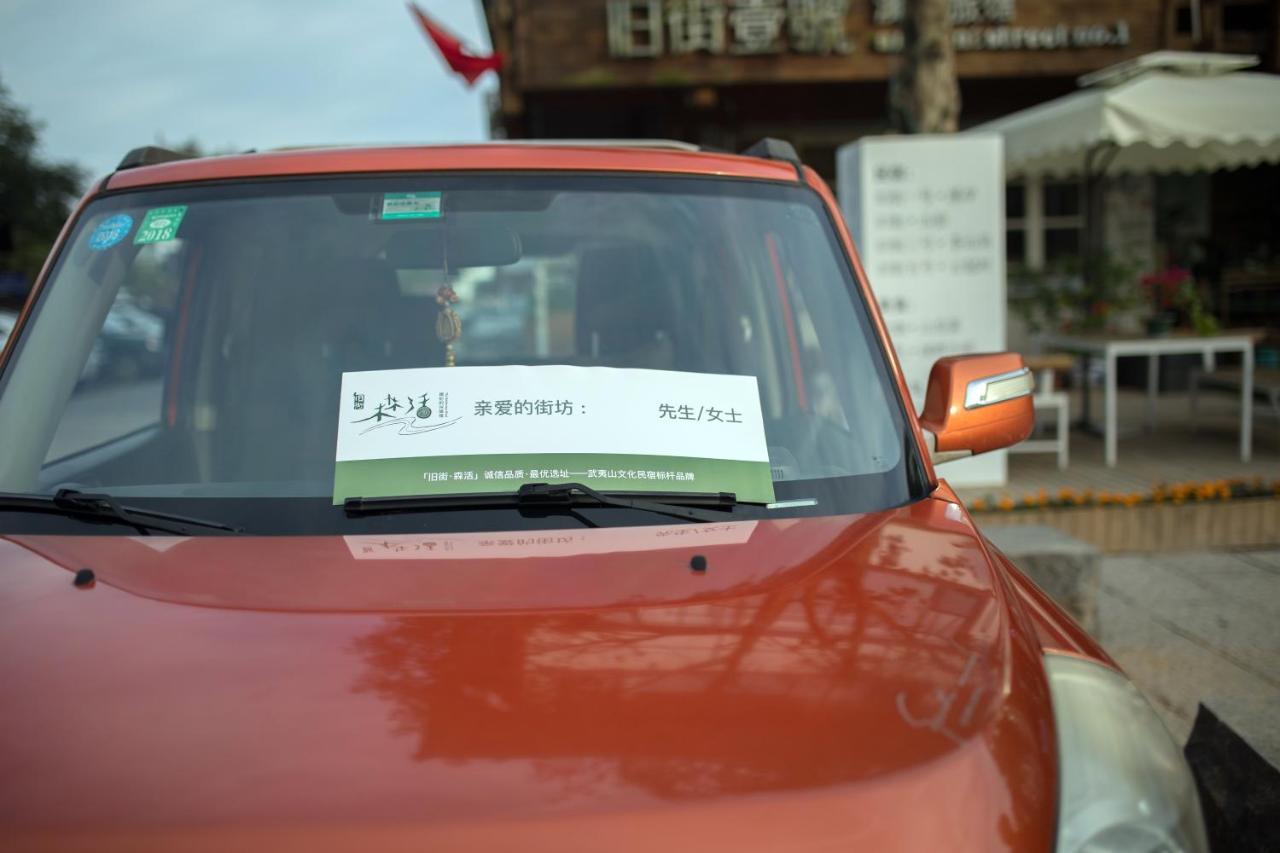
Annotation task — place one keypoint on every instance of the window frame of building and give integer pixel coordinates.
(1035, 223)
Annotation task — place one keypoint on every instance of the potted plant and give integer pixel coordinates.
(1175, 301)
(1061, 297)
(1162, 296)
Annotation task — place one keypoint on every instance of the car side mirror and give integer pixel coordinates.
(977, 403)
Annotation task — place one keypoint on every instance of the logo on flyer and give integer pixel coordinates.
(412, 414)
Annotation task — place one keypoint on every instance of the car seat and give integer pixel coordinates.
(306, 328)
(627, 313)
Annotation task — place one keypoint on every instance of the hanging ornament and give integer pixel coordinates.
(448, 323)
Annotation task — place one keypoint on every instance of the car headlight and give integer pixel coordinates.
(1124, 785)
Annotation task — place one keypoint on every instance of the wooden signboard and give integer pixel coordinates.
(572, 44)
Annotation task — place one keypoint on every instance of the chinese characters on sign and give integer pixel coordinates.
(648, 28)
(446, 476)
(986, 25)
(537, 475)
(526, 407)
(925, 228)
(640, 29)
(694, 26)
(927, 215)
(962, 11)
(756, 24)
(608, 428)
(708, 414)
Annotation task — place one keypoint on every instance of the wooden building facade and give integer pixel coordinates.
(727, 72)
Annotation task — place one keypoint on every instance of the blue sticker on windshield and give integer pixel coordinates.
(110, 231)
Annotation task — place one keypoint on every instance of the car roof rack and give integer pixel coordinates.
(669, 144)
(774, 149)
(768, 148)
(149, 155)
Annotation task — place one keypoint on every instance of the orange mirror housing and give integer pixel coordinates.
(977, 403)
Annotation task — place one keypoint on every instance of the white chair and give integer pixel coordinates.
(1047, 399)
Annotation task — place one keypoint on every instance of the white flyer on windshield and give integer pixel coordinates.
(467, 430)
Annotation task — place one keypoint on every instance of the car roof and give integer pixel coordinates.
(569, 156)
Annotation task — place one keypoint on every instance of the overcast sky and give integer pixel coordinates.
(105, 77)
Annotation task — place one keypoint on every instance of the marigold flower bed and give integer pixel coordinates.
(1175, 516)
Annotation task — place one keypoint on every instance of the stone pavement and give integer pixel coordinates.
(1199, 627)
(1174, 452)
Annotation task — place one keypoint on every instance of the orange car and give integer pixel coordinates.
(522, 497)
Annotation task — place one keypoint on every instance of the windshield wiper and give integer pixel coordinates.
(103, 507)
(558, 496)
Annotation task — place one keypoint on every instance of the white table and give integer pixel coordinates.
(1110, 348)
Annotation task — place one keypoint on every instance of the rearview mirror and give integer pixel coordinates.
(977, 403)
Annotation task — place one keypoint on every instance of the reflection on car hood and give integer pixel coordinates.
(855, 682)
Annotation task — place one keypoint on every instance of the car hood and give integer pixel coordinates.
(852, 682)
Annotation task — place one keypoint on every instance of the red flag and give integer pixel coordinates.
(458, 58)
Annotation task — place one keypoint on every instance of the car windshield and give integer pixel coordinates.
(194, 362)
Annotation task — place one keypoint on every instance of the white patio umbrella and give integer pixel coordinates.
(1167, 111)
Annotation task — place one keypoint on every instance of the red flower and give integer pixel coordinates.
(1162, 287)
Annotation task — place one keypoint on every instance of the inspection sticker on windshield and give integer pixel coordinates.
(411, 205)
(110, 231)
(160, 224)
(460, 430)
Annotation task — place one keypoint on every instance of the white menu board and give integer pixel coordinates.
(927, 214)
